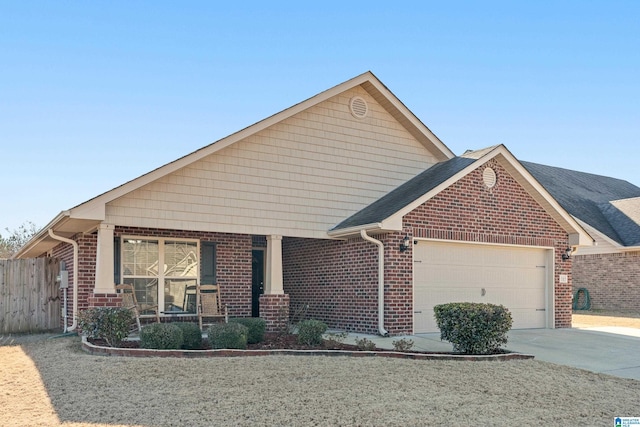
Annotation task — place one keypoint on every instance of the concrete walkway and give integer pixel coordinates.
(612, 350)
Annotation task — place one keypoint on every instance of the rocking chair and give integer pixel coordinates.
(129, 301)
(209, 305)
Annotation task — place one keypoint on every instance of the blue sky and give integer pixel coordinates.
(94, 94)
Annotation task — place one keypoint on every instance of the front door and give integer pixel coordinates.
(257, 285)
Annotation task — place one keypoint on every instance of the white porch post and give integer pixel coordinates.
(273, 279)
(104, 260)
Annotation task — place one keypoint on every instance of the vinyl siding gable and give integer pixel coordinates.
(298, 177)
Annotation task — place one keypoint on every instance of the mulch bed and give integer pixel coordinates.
(271, 342)
(275, 341)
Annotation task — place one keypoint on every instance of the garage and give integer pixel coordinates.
(513, 276)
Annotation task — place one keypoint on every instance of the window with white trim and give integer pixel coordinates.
(171, 287)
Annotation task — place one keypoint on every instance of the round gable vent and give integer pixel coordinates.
(489, 177)
(358, 107)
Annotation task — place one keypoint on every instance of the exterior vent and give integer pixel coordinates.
(489, 177)
(358, 107)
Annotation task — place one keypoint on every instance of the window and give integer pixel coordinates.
(171, 286)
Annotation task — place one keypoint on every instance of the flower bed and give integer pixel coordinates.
(286, 345)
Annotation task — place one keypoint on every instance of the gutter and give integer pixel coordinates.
(381, 330)
(350, 231)
(75, 279)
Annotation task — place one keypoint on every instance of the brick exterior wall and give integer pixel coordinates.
(338, 279)
(233, 267)
(613, 280)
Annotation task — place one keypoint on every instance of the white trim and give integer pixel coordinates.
(161, 252)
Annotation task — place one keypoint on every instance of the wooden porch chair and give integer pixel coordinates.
(130, 302)
(209, 305)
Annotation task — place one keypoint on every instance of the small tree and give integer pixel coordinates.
(15, 239)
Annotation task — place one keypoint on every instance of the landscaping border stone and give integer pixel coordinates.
(144, 352)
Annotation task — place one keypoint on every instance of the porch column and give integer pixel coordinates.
(104, 260)
(273, 280)
(274, 303)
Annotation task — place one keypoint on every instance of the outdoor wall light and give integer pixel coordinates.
(567, 254)
(406, 242)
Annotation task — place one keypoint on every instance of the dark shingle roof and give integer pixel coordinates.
(405, 194)
(588, 197)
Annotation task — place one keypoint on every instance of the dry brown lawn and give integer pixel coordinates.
(51, 382)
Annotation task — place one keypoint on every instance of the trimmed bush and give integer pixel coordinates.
(191, 335)
(228, 335)
(257, 328)
(161, 336)
(111, 324)
(365, 344)
(310, 332)
(473, 328)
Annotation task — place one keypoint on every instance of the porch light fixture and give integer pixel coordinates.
(406, 242)
(567, 254)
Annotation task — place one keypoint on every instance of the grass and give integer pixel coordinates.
(51, 382)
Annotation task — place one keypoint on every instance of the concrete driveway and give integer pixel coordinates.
(607, 350)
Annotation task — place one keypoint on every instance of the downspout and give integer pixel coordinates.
(381, 330)
(74, 324)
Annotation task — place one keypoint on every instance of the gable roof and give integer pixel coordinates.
(386, 213)
(610, 205)
(86, 216)
(407, 193)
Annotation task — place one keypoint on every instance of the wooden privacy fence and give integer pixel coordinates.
(29, 295)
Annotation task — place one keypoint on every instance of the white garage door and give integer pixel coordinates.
(456, 272)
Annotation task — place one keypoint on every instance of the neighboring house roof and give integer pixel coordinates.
(386, 213)
(609, 205)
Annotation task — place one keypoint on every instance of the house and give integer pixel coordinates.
(345, 205)
(609, 210)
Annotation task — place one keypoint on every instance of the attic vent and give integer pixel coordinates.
(358, 107)
(489, 177)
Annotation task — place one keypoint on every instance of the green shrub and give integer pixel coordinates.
(257, 328)
(161, 336)
(310, 332)
(228, 335)
(473, 328)
(111, 324)
(365, 344)
(191, 335)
